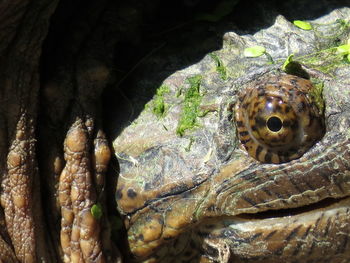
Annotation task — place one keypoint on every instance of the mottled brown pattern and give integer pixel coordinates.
(282, 101)
(16, 197)
(312, 235)
(100, 159)
(80, 231)
(23, 27)
(70, 177)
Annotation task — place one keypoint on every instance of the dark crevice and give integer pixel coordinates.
(178, 193)
(293, 211)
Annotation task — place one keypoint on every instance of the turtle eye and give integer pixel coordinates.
(277, 120)
(274, 124)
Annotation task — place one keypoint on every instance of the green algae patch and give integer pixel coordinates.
(159, 106)
(316, 94)
(345, 51)
(302, 24)
(332, 57)
(220, 67)
(191, 104)
(96, 211)
(253, 52)
(324, 60)
(287, 62)
(257, 51)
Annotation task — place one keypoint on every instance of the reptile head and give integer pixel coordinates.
(192, 193)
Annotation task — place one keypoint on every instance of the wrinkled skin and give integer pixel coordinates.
(69, 141)
(56, 59)
(53, 151)
(19, 175)
(200, 197)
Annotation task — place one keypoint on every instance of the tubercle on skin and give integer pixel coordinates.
(80, 230)
(16, 196)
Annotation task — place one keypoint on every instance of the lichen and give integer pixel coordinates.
(190, 110)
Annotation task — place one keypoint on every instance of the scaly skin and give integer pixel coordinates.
(73, 150)
(163, 220)
(200, 197)
(20, 195)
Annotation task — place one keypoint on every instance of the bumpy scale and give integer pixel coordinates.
(277, 118)
(80, 230)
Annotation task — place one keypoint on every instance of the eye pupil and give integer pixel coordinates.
(274, 124)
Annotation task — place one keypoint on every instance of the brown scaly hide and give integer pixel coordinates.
(23, 27)
(74, 153)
